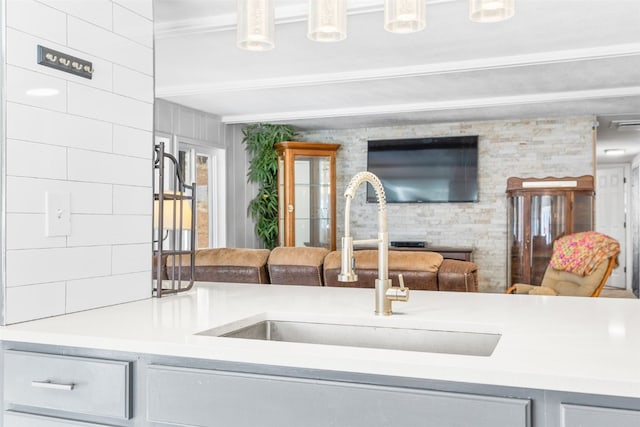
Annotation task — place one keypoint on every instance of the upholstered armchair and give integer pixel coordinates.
(580, 265)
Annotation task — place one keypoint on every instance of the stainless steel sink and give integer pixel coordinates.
(394, 338)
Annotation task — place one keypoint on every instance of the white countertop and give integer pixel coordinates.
(588, 345)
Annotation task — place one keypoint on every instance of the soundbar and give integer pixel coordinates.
(409, 244)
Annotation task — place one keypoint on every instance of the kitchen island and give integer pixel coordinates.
(559, 361)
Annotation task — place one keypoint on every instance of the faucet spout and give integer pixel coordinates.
(347, 274)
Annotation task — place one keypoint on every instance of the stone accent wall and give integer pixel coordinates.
(525, 148)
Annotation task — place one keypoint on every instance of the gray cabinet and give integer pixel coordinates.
(174, 391)
(198, 397)
(593, 416)
(17, 419)
(77, 387)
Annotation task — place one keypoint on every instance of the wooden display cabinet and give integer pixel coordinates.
(307, 194)
(539, 212)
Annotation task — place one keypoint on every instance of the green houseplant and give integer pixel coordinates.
(260, 140)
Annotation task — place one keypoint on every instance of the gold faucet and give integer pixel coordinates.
(385, 292)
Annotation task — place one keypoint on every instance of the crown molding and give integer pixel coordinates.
(481, 64)
(502, 101)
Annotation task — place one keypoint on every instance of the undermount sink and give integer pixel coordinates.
(369, 336)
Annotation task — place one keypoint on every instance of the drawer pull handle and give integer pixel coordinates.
(55, 386)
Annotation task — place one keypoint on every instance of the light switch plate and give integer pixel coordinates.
(58, 214)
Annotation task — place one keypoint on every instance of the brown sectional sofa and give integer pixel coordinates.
(319, 267)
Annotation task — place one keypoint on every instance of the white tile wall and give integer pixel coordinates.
(27, 231)
(110, 46)
(130, 258)
(132, 83)
(97, 12)
(23, 80)
(93, 166)
(37, 19)
(88, 230)
(56, 128)
(132, 26)
(27, 195)
(100, 104)
(100, 291)
(129, 200)
(36, 160)
(32, 266)
(22, 49)
(93, 140)
(132, 142)
(141, 7)
(35, 301)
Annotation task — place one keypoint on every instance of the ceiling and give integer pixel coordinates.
(553, 58)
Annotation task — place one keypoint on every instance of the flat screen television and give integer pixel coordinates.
(425, 170)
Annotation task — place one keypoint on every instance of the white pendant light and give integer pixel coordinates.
(490, 10)
(327, 20)
(404, 16)
(255, 24)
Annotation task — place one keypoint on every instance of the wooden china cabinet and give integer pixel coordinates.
(540, 211)
(307, 194)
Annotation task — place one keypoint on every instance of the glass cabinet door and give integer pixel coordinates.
(548, 222)
(306, 191)
(540, 210)
(311, 206)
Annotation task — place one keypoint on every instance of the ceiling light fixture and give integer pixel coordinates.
(404, 16)
(614, 151)
(490, 10)
(327, 20)
(255, 25)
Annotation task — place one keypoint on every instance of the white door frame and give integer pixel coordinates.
(627, 195)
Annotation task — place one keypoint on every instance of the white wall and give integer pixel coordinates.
(93, 140)
(525, 148)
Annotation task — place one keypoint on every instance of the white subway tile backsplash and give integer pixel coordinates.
(133, 84)
(131, 258)
(102, 291)
(27, 195)
(36, 160)
(87, 37)
(132, 142)
(53, 265)
(132, 200)
(20, 82)
(88, 230)
(38, 19)
(35, 302)
(92, 140)
(22, 49)
(132, 26)
(27, 231)
(97, 12)
(141, 7)
(39, 125)
(98, 104)
(91, 166)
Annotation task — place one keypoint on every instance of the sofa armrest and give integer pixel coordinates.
(458, 276)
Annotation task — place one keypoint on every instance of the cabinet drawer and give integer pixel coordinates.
(194, 397)
(16, 419)
(74, 384)
(593, 416)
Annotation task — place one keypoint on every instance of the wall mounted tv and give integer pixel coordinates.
(425, 170)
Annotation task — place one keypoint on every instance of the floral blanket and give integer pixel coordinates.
(581, 253)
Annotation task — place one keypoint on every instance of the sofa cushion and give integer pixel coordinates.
(237, 265)
(296, 265)
(419, 269)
